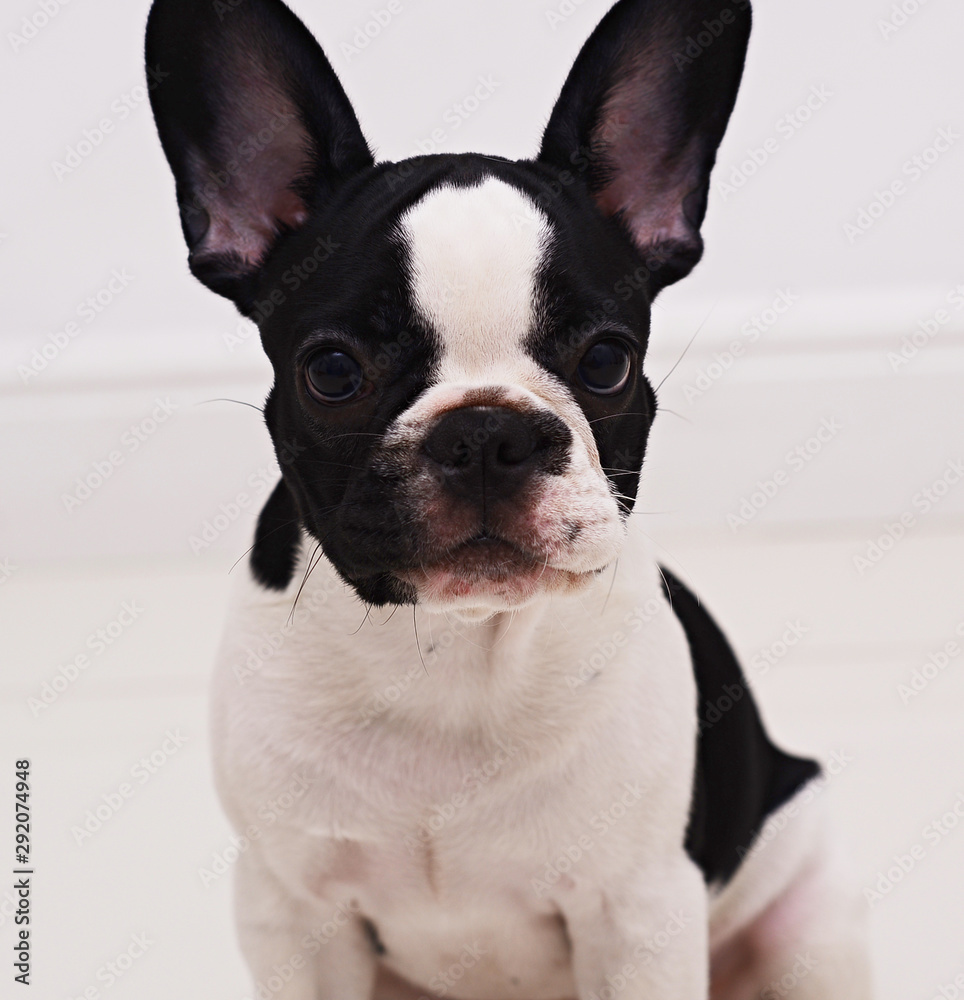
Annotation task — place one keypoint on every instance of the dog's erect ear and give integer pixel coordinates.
(255, 125)
(642, 115)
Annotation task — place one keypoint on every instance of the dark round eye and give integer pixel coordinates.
(334, 377)
(605, 367)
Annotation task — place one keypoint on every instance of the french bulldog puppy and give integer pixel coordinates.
(473, 741)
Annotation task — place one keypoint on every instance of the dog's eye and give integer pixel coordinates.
(334, 377)
(605, 367)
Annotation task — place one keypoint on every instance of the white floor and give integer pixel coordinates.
(834, 692)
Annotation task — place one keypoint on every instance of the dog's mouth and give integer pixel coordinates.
(490, 569)
(488, 557)
(483, 558)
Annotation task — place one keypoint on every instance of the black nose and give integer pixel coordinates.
(484, 451)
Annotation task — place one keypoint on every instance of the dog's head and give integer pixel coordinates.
(459, 404)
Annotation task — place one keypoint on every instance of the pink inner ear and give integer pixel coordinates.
(652, 169)
(248, 212)
(262, 149)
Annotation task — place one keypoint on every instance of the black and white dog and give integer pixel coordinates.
(545, 778)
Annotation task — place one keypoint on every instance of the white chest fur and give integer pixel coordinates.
(449, 781)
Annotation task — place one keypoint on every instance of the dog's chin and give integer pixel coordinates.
(482, 578)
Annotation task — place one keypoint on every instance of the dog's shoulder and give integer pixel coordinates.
(741, 777)
(277, 540)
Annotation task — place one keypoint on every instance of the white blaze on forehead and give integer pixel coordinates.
(475, 254)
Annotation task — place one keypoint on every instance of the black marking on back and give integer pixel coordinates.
(276, 540)
(741, 777)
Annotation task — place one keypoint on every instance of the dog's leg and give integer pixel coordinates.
(809, 943)
(644, 940)
(276, 937)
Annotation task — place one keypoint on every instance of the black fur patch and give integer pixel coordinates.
(277, 540)
(741, 777)
(371, 932)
